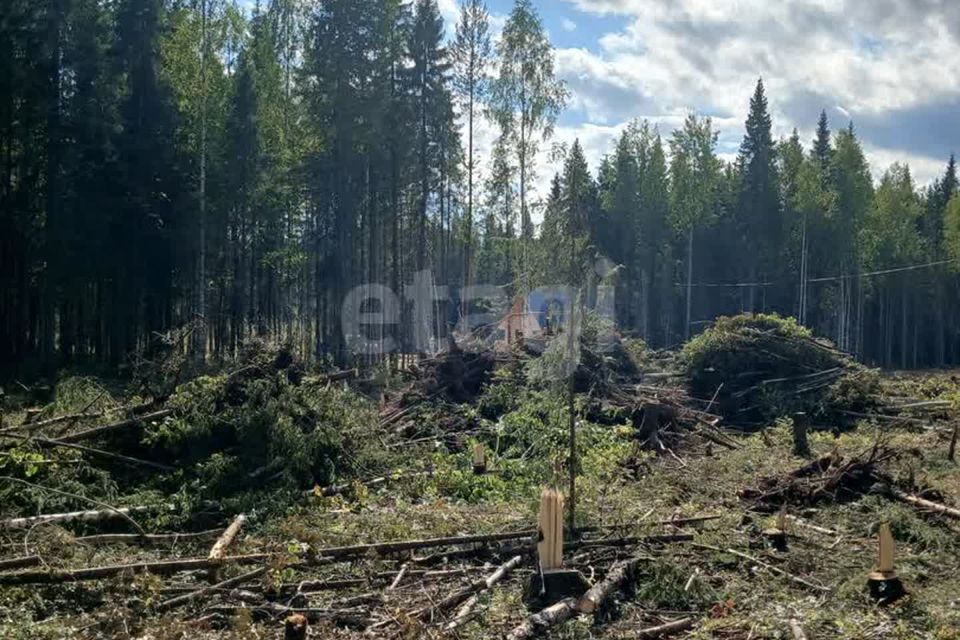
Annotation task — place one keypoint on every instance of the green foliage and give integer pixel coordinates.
(257, 427)
(662, 584)
(765, 366)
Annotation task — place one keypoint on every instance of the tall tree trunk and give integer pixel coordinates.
(686, 329)
(201, 336)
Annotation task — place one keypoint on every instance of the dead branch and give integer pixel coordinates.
(96, 573)
(47, 442)
(19, 563)
(922, 503)
(123, 513)
(667, 629)
(768, 566)
(148, 539)
(115, 426)
(381, 548)
(477, 587)
(540, 622)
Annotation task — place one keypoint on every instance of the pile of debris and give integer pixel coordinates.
(761, 367)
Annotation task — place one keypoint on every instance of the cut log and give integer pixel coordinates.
(162, 567)
(219, 549)
(540, 622)
(924, 504)
(236, 581)
(664, 630)
(83, 516)
(94, 432)
(618, 575)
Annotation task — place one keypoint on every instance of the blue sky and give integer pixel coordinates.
(892, 66)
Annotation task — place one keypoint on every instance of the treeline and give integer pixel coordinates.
(165, 161)
(803, 232)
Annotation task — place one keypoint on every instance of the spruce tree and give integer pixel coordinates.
(759, 206)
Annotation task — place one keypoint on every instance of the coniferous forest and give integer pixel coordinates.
(173, 161)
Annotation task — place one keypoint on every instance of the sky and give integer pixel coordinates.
(892, 67)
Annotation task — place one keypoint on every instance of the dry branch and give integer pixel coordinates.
(477, 587)
(667, 629)
(922, 503)
(148, 539)
(96, 573)
(540, 622)
(19, 563)
(47, 442)
(116, 426)
(797, 630)
(83, 516)
(767, 565)
(381, 548)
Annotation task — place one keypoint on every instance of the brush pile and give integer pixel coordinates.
(832, 478)
(761, 367)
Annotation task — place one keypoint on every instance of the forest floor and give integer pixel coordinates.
(691, 512)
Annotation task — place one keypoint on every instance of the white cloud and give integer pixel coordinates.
(860, 60)
(568, 25)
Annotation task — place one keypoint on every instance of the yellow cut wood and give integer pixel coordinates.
(887, 550)
(550, 546)
(782, 519)
(479, 456)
